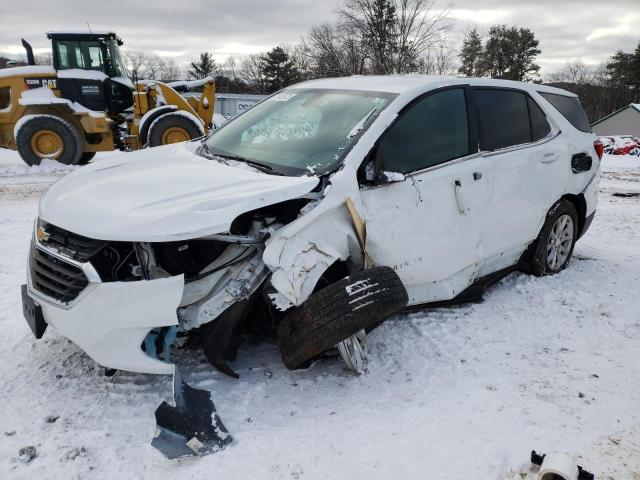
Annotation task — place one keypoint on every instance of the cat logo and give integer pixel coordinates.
(41, 82)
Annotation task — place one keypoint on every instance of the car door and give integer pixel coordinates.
(515, 139)
(427, 227)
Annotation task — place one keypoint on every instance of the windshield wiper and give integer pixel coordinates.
(361, 124)
(238, 158)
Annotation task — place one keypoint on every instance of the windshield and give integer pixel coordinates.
(116, 59)
(299, 131)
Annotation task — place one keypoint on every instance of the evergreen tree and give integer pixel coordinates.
(510, 53)
(471, 55)
(278, 69)
(203, 67)
(624, 69)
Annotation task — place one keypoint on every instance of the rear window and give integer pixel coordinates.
(540, 127)
(504, 118)
(570, 109)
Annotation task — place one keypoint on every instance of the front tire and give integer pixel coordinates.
(555, 243)
(337, 312)
(86, 158)
(174, 127)
(48, 137)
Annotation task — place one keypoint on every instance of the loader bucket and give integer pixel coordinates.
(192, 427)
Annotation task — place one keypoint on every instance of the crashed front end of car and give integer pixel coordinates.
(123, 302)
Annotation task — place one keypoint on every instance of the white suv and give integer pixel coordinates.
(318, 212)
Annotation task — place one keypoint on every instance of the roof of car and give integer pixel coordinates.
(409, 82)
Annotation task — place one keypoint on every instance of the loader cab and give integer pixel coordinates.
(91, 70)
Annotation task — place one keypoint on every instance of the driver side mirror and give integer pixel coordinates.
(375, 174)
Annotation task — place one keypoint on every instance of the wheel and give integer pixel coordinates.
(555, 243)
(46, 136)
(173, 128)
(149, 118)
(86, 158)
(337, 312)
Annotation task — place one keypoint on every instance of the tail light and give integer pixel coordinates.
(599, 146)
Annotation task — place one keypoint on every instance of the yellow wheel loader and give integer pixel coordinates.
(86, 103)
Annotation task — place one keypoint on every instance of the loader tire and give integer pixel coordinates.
(174, 128)
(338, 311)
(149, 118)
(47, 136)
(86, 158)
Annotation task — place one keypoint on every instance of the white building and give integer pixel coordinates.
(625, 121)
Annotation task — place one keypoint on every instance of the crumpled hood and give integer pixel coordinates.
(162, 194)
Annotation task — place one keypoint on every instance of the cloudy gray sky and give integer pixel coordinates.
(588, 29)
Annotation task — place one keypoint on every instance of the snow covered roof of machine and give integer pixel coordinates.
(106, 33)
(27, 70)
(406, 83)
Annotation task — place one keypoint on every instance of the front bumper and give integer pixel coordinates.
(110, 320)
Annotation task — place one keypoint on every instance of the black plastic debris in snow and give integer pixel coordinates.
(192, 427)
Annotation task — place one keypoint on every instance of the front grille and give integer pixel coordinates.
(54, 277)
(75, 246)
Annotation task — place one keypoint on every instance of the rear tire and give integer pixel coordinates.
(338, 311)
(86, 158)
(174, 127)
(46, 136)
(555, 243)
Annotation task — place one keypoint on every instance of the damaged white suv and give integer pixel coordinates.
(319, 212)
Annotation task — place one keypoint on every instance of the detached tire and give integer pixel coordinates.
(337, 312)
(47, 136)
(555, 243)
(174, 127)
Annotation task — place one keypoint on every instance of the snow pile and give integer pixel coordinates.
(621, 145)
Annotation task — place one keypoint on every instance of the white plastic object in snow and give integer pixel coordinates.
(558, 465)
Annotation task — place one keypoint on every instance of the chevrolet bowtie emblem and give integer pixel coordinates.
(42, 234)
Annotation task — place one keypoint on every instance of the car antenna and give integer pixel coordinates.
(89, 27)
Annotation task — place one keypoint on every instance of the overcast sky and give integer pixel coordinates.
(567, 29)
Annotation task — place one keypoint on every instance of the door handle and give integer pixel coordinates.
(477, 176)
(457, 186)
(549, 157)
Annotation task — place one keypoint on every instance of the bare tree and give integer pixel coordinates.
(439, 60)
(394, 33)
(251, 73)
(421, 29)
(334, 52)
(135, 62)
(574, 72)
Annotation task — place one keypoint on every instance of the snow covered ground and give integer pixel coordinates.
(550, 364)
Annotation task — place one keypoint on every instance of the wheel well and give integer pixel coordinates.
(337, 271)
(581, 207)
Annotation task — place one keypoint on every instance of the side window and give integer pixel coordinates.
(570, 108)
(432, 131)
(5, 98)
(63, 52)
(540, 127)
(95, 57)
(504, 118)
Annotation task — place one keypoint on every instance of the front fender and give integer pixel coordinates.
(301, 252)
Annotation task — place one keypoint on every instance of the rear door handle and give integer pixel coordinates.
(457, 185)
(549, 157)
